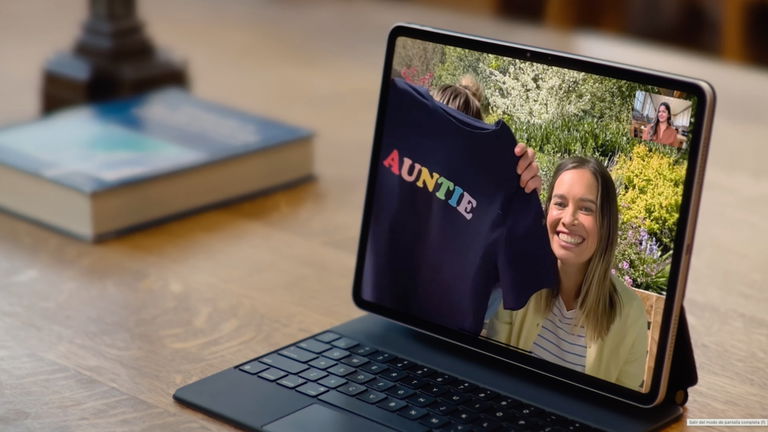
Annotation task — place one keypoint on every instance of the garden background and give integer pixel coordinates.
(560, 113)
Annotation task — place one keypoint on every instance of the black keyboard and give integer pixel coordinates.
(396, 391)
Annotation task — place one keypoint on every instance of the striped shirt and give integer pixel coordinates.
(559, 340)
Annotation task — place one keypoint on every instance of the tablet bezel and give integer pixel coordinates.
(705, 101)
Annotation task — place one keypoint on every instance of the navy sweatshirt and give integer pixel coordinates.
(449, 219)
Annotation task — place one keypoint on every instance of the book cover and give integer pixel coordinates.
(143, 151)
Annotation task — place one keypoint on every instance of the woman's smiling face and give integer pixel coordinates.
(662, 114)
(572, 217)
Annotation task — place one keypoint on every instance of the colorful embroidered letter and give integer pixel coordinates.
(427, 179)
(393, 162)
(412, 176)
(457, 191)
(467, 204)
(445, 185)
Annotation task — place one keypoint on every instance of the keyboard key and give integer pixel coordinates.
(523, 424)
(291, 381)
(372, 397)
(344, 343)
(420, 400)
(313, 374)
(422, 371)
(457, 398)
(298, 354)
(360, 377)
(314, 346)
(382, 357)
(502, 404)
(354, 360)
(284, 363)
(464, 386)
(412, 382)
(442, 379)
(501, 415)
(312, 389)
(322, 363)
(341, 370)
(453, 427)
(327, 337)
(433, 421)
(374, 368)
(463, 416)
(442, 407)
(402, 364)
(332, 381)
(412, 413)
(484, 424)
(485, 394)
(336, 354)
(434, 390)
(574, 426)
(394, 375)
(554, 429)
(253, 367)
(391, 404)
(530, 411)
(380, 385)
(478, 406)
(550, 418)
(363, 350)
(400, 392)
(272, 374)
(352, 389)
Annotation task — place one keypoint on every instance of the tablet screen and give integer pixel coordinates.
(533, 203)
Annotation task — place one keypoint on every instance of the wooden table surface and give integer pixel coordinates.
(97, 337)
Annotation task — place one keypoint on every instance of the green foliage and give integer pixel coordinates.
(422, 57)
(459, 62)
(650, 186)
(561, 138)
(528, 92)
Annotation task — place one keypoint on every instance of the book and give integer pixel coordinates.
(100, 170)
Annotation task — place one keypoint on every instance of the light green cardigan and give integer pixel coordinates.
(619, 357)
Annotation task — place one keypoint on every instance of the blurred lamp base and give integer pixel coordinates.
(113, 58)
(72, 79)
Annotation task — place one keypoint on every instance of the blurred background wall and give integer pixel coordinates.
(731, 29)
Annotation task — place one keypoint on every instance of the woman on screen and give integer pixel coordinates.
(661, 130)
(592, 322)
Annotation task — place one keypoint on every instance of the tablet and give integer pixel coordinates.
(534, 205)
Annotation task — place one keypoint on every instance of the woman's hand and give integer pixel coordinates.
(528, 168)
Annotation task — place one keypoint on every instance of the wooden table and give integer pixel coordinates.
(97, 337)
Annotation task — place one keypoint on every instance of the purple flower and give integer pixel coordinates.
(628, 281)
(624, 265)
(613, 271)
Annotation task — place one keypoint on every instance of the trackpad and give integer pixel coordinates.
(319, 418)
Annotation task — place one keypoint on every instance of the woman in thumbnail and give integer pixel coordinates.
(661, 130)
(592, 322)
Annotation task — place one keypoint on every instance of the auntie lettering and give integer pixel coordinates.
(443, 188)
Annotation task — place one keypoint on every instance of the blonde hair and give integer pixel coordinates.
(470, 84)
(599, 303)
(466, 96)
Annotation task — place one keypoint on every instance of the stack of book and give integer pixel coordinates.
(97, 171)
